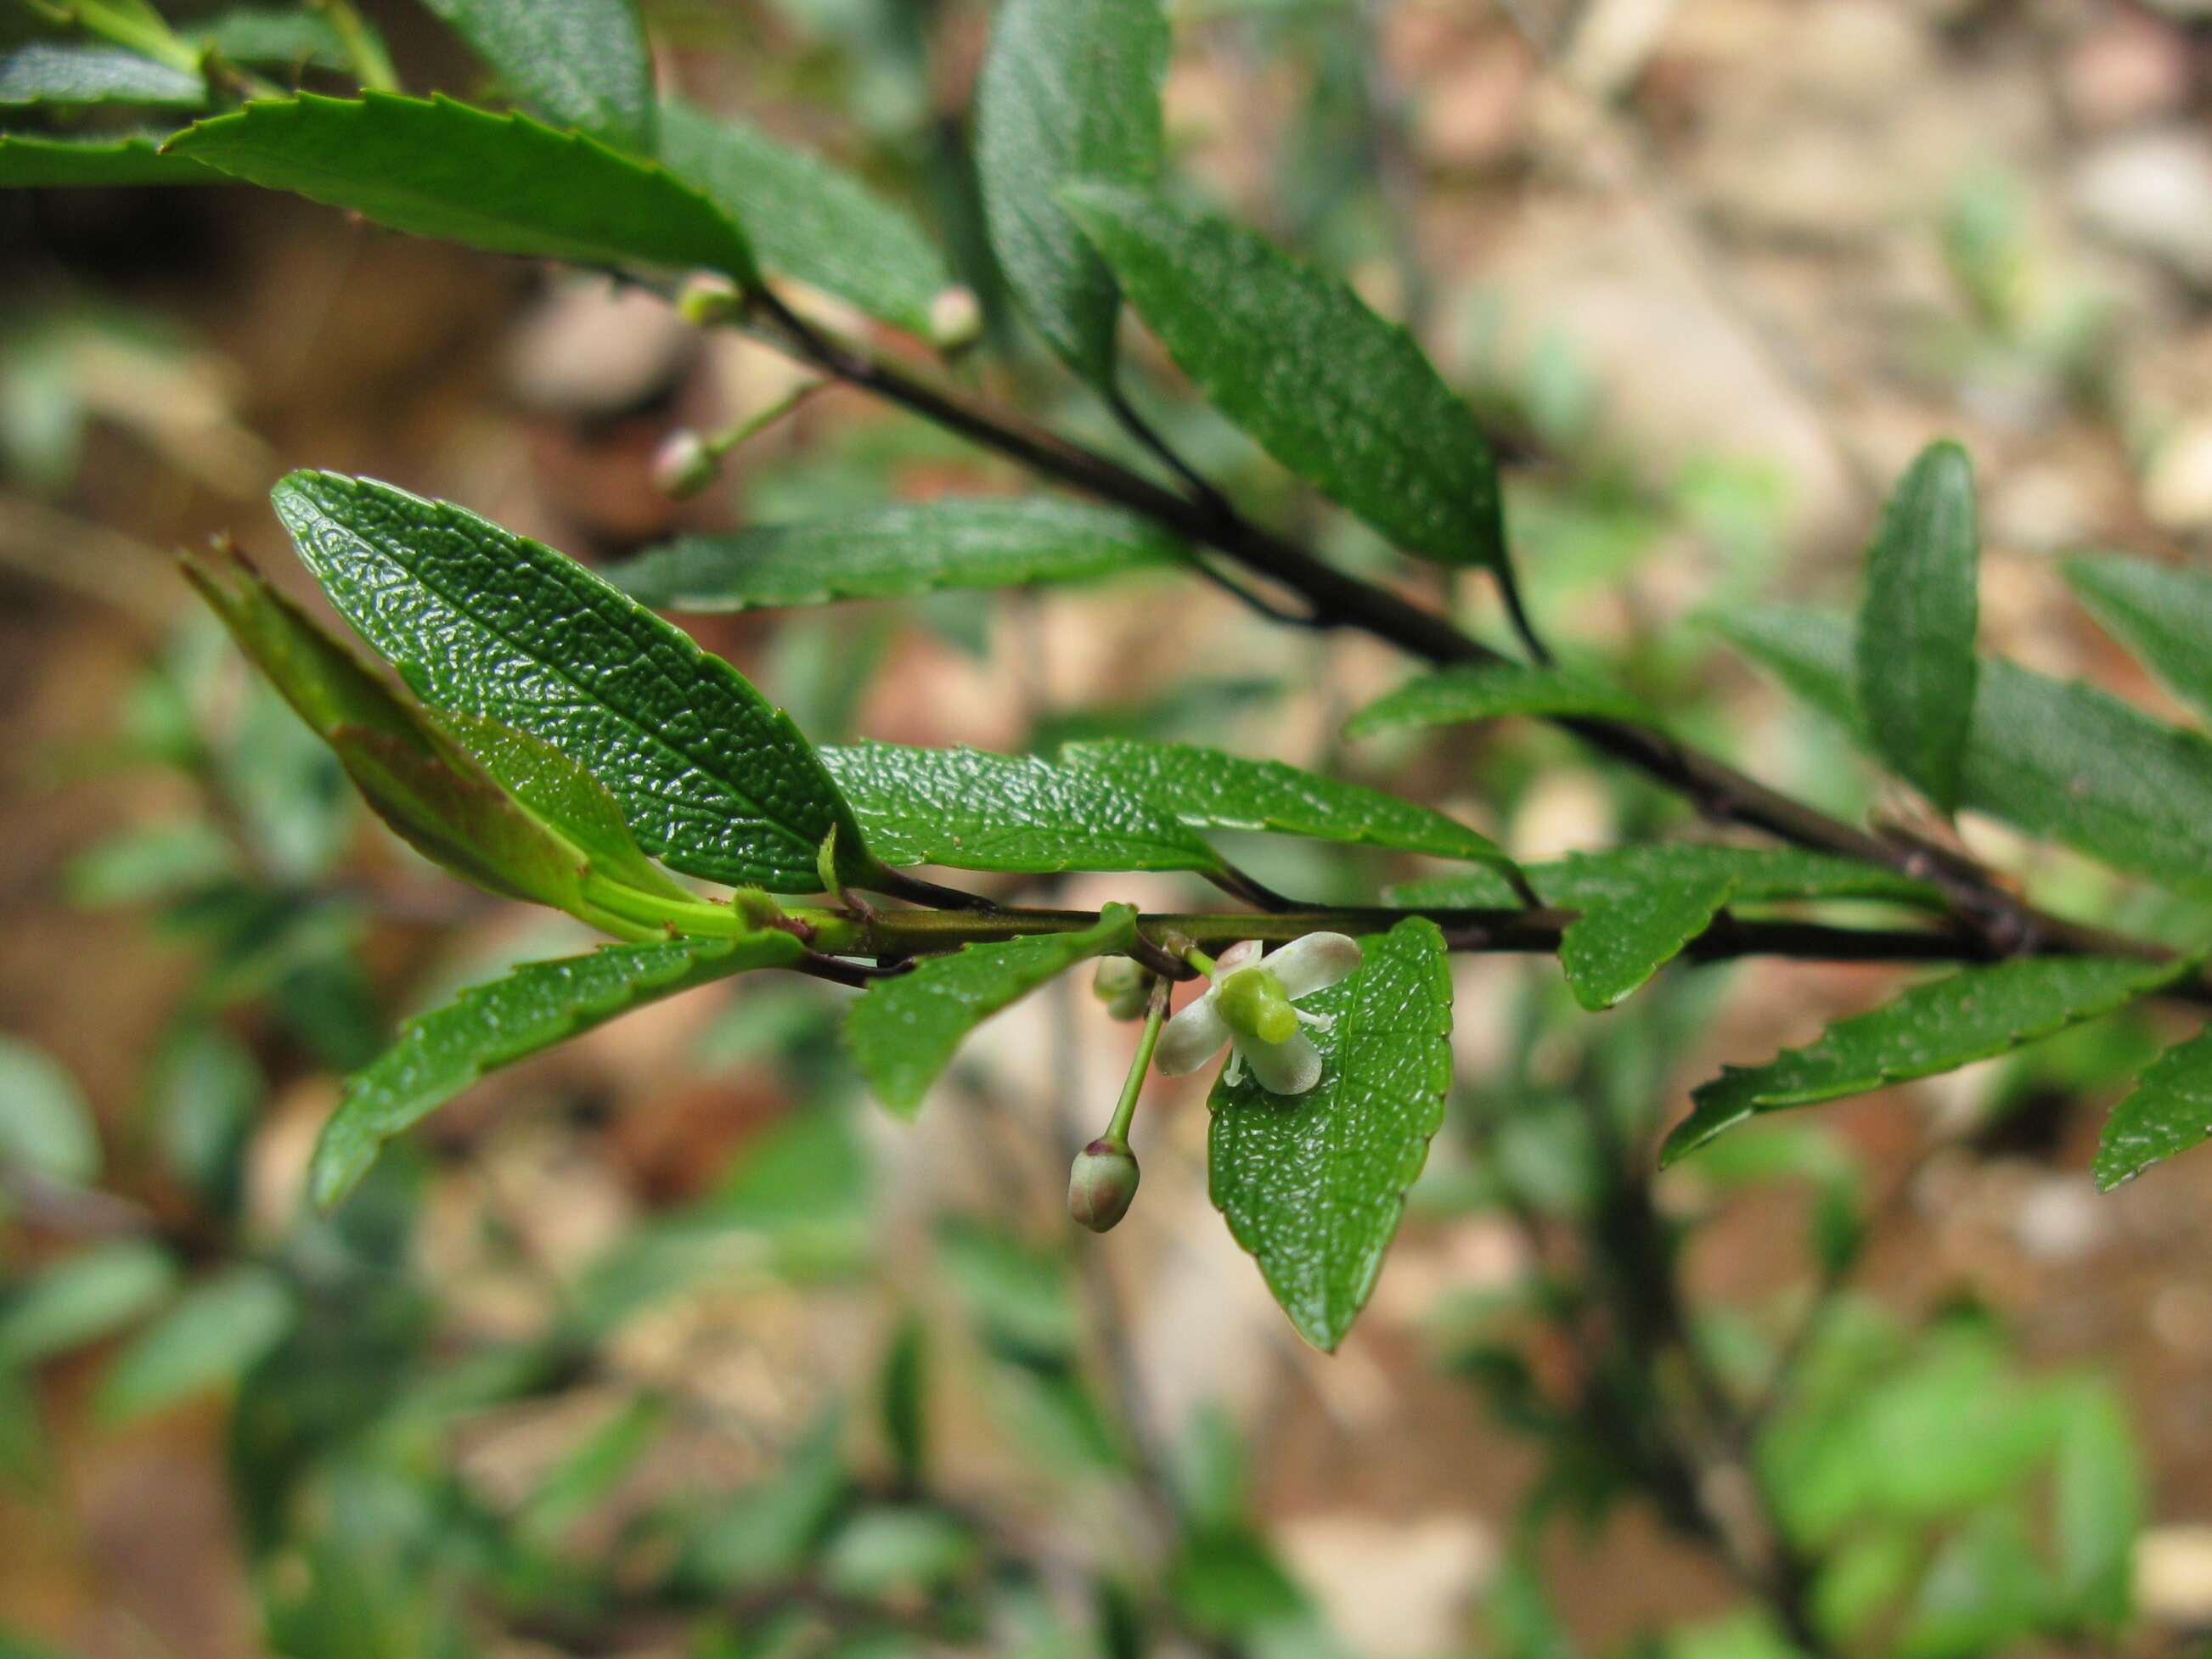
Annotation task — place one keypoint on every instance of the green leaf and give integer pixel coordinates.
(886, 1552)
(1069, 89)
(764, 1535)
(503, 183)
(81, 1298)
(285, 40)
(1208, 789)
(713, 779)
(2061, 761)
(807, 219)
(580, 63)
(968, 810)
(905, 1030)
(36, 160)
(2097, 1505)
(45, 1125)
(1915, 642)
(2161, 612)
(1619, 943)
(1313, 1185)
(905, 1402)
(1486, 691)
(1343, 398)
(491, 1025)
(2168, 1111)
(208, 1337)
(1760, 874)
(57, 72)
(1937, 1027)
(896, 552)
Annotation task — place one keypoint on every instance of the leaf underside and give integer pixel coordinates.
(59, 72)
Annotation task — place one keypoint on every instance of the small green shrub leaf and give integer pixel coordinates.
(494, 1024)
(969, 810)
(1313, 1185)
(209, 1336)
(1486, 691)
(30, 161)
(1936, 1027)
(284, 39)
(897, 552)
(504, 183)
(45, 1123)
(2168, 1111)
(713, 779)
(1069, 89)
(1758, 874)
(905, 1030)
(2161, 612)
(1916, 642)
(1619, 941)
(1343, 398)
(65, 72)
(81, 1298)
(580, 63)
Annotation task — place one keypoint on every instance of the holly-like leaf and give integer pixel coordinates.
(1937, 1027)
(504, 183)
(31, 161)
(905, 1030)
(896, 552)
(209, 1336)
(491, 1025)
(2168, 1111)
(68, 72)
(2062, 760)
(807, 219)
(1069, 89)
(1915, 643)
(580, 63)
(1208, 789)
(1313, 1185)
(1484, 691)
(969, 810)
(2161, 612)
(1293, 355)
(713, 779)
(1619, 941)
(1758, 874)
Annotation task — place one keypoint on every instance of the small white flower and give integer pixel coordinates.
(1248, 1005)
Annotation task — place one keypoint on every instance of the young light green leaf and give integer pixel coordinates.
(68, 72)
(1208, 789)
(896, 552)
(81, 1298)
(1343, 398)
(1069, 89)
(1936, 1027)
(2168, 1111)
(1759, 874)
(491, 1025)
(1916, 642)
(30, 161)
(905, 1030)
(1313, 1185)
(580, 63)
(713, 779)
(209, 1336)
(807, 219)
(2161, 612)
(1619, 941)
(1484, 691)
(503, 183)
(2062, 761)
(969, 810)
(45, 1124)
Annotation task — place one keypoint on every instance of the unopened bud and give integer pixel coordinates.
(705, 300)
(955, 319)
(683, 466)
(1125, 987)
(1102, 1183)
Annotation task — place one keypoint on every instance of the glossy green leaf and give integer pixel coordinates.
(1069, 89)
(1915, 642)
(33, 160)
(504, 183)
(1487, 691)
(81, 1298)
(209, 1336)
(2168, 1111)
(1293, 355)
(1209, 789)
(1619, 941)
(1759, 874)
(494, 1024)
(905, 1030)
(1313, 1185)
(713, 779)
(1939, 1026)
(2059, 760)
(69, 72)
(580, 63)
(969, 810)
(2161, 612)
(896, 552)
(807, 219)
(45, 1123)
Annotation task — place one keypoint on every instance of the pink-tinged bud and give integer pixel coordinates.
(705, 300)
(683, 466)
(1102, 1183)
(955, 319)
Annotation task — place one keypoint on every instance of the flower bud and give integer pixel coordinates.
(955, 319)
(683, 466)
(1125, 987)
(705, 300)
(1101, 1184)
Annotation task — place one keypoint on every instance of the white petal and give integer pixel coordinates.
(1315, 963)
(1283, 1068)
(1191, 1038)
(1243, 954)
